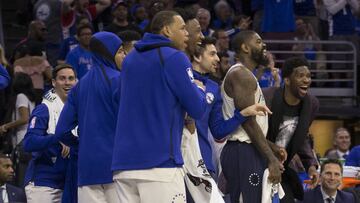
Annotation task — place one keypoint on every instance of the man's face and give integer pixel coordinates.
(331, 177)
(195, 35)
(300, 26)
(85, 36)
(141, 13)
(177, 33)
(81, 5)
(204, 19)
(223, 41)
(40, 31)
(64, 81)
(258, 50)
(119, 57)
(6, 170)
(121, 13)
(299, 81)
(342, 140)
(209, 59)
(224, 64)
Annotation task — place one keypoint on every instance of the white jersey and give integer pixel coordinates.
(228, 109)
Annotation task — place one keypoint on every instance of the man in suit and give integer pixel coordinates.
(9, 193)
(342, 142)
(327, 191)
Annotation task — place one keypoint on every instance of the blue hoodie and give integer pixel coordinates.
(4, 77)
(214, 120)
(155, 94)
(91, 105)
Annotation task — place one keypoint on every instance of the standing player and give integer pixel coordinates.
(247, 153)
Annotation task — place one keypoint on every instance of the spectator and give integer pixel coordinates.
(306, 10)
(330, 180)
(240, 22)
(80, 58)
(72, 10)
(49, 12)
(342, 142)
(139, 14)
(223, 67)
(44, 180)
(34, 43)
(269, 75)
(223, 15)
(9, 193)
(4, 77)
(222, 44)
(19, 108)
(204, 17)
(120, 20)
(71, 42)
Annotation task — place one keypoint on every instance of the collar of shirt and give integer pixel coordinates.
(341, 154)
(325, 196)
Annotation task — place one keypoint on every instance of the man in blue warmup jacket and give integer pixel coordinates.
(157, 87)
(93, 107)
(44, 178)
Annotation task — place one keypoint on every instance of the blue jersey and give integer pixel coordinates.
(353, 159)
(81, 60)
(342, 22)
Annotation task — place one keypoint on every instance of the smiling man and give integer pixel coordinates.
(331, 179)
(293, 111)
(44, 178)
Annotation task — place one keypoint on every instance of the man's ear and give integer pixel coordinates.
(166, 31)
(244, 48)
(287, 81)
(197, 59)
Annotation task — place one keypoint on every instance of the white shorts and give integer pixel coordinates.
(42, 194)
(102, 193)
(135, 188)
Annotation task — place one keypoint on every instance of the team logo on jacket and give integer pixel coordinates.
(190, 74)
(209, 97)
(32, 123)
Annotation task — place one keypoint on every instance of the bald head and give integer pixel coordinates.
(37, 30)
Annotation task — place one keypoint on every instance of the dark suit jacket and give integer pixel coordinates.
(332, 154)
(315, 196)
(15, 194)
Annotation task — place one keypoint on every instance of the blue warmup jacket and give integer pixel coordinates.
(214, 120)
(4, 77)
(47, 167)
(353, 159)
(156, 89)
(91, 105)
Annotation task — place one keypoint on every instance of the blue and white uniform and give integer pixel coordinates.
(4, 77)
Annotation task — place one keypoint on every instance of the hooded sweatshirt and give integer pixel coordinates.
(157, 87)
(91, 105)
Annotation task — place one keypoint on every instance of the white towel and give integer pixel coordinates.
(269, 189)
(197, 179)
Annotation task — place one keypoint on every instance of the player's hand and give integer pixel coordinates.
(275, 170)
(190, 124)
(314, 177)
(281, 154)
(65, 150)
(256, 110)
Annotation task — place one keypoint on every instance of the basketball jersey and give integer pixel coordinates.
(228, 109)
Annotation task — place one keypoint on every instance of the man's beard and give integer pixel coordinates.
(259, 57)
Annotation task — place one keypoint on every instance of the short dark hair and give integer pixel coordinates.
(291, 63)
(5, 156)
(186, 14)
(240, 39)
(201, 48)
(82, 27)
(331, 161)
(223, 54)
(162, 19)
(129, 35)
(60, 67)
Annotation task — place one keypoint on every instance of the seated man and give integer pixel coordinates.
(330, 180)
(342, 142)
(12, 193)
